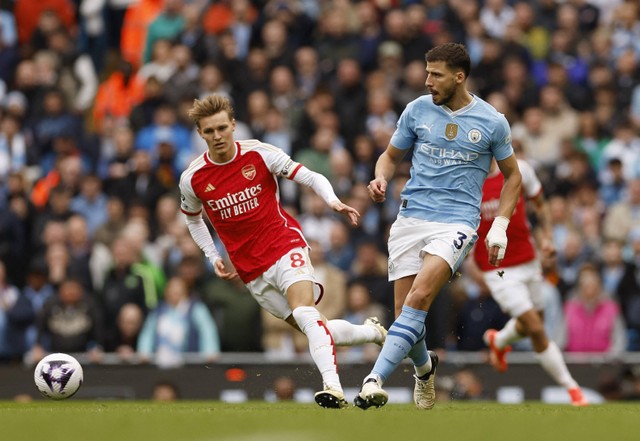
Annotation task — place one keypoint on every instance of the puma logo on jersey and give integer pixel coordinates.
(209, 188)
(424, 126)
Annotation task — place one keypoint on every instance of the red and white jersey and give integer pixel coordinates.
(242, 202)
(520, 246)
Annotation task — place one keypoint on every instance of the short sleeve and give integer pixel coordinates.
(277, 161)
(531, 185)
(189, 202)
(501, 145)
(405, 136)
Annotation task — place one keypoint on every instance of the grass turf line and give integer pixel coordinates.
(76, 420)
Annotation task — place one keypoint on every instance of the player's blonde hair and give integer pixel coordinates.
(208, 106)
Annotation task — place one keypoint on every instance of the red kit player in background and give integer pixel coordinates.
(235, 183)
(516, 284)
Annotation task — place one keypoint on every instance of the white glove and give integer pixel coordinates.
(497, 235)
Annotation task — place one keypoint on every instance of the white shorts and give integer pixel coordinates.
(411, 238)
(270, 289)
(519, 289)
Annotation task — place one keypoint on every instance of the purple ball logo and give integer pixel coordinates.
(59, 372)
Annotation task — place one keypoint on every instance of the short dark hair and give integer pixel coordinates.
(455, 56)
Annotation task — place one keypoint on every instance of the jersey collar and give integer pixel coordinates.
(462, 110)
(208, 159)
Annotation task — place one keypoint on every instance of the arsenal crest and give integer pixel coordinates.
(249, 172)
(451, 131)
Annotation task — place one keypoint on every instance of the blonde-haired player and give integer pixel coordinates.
(235, 183)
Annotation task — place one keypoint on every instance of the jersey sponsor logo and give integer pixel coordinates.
(444, 156)
(209, 188)
(234, 204)
(451, 131)
(249, 172)
(474, 135)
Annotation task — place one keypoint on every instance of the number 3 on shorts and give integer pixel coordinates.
(459, 242)
(297, 260)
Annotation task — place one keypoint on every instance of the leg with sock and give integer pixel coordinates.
(407, 330)
(348, 334)
(322, 349)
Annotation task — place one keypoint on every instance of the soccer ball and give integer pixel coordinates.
(58, 376)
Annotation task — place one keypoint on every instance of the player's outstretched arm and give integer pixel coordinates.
(322, 187)
(345, 209)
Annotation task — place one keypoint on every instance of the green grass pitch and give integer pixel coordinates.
(257, 421)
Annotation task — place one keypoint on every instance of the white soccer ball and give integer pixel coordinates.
(58, 376)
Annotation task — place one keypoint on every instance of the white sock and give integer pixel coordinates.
(423, 370)
(348, 334)
(321, 344)
(507, 335)
(552, 361)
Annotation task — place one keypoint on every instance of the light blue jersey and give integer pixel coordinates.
(451, 158)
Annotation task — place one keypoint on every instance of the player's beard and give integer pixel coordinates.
(442, 97)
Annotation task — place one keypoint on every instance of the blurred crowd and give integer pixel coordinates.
(95, 256)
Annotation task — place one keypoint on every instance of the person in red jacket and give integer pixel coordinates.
(27, 14)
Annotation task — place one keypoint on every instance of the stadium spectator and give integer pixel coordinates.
(284, 388)
(140, 184)
(178, 325)
(591, 140)
(594, 322)
(467, 386)
(91, 203)
(37, 290)
(165, 390)
(628, 293)
(135, 25)
(625, 146)
(160, 65)
(77, 77)
(612, 267)
(16, 315)
(70, 322)
(613, 185)
(123, 284)
(28, 15)
(182, 81)
(129, 324)
(118, 94)
(13, 147)
(624, 216)
(237, 314)
(112, 227)
(360, 305)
